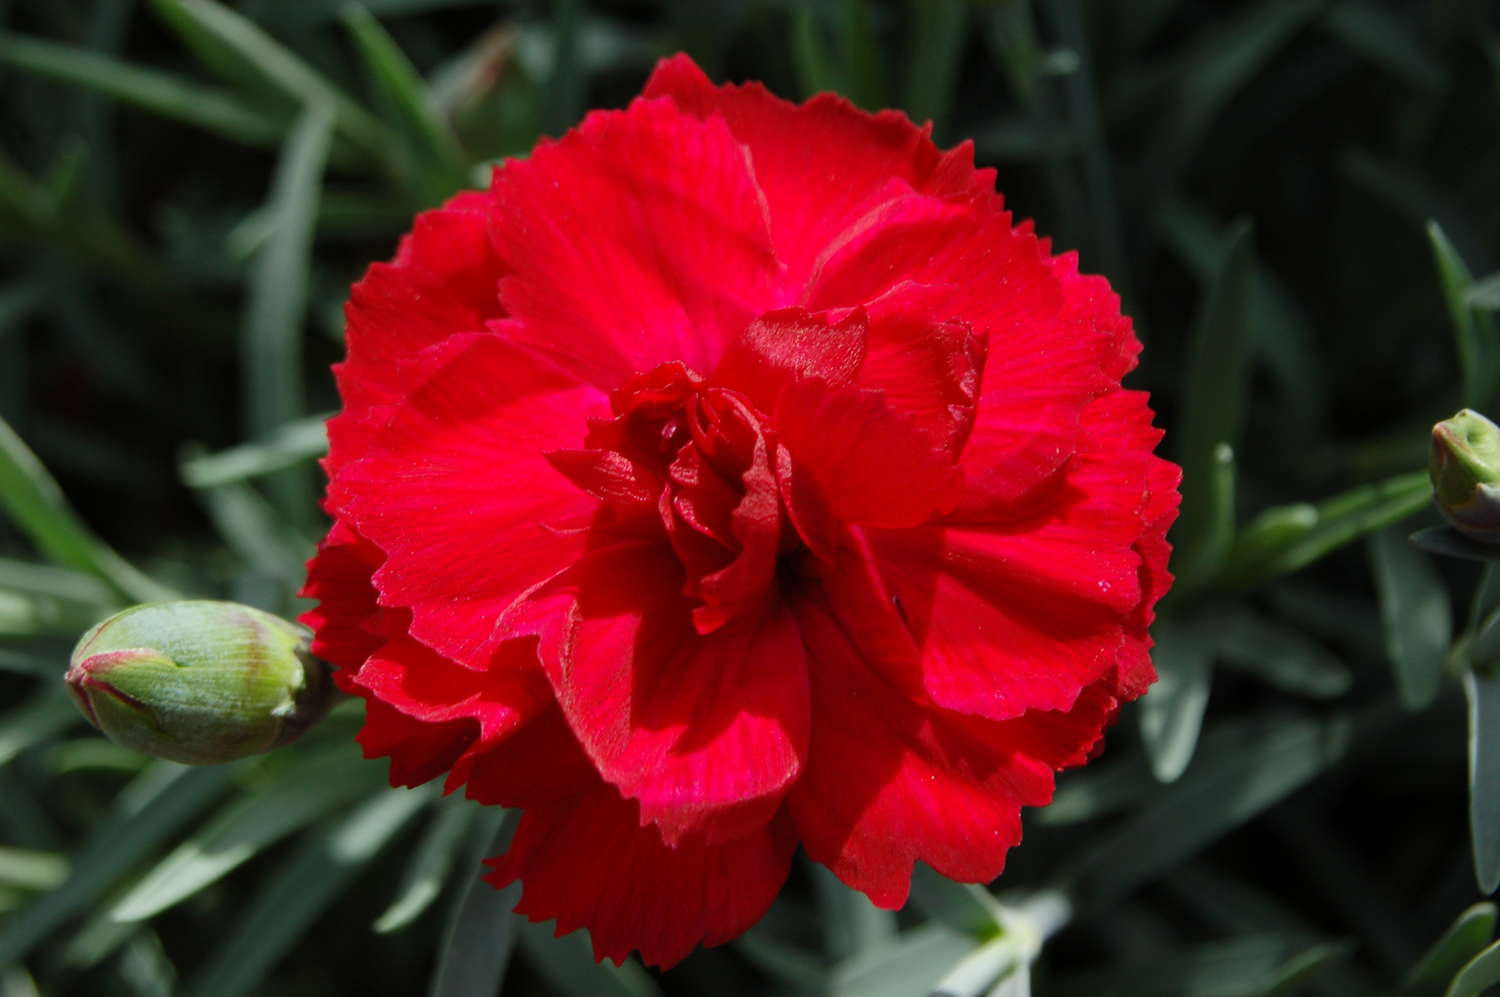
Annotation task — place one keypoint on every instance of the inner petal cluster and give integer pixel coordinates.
(696, 460)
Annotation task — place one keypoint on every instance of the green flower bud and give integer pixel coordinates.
(1465, 471)
(199, 682)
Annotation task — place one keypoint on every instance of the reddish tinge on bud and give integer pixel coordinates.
(198, 682)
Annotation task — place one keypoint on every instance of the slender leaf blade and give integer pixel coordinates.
(33, 499)
(299, 795)
(1464, 939)
(1483, 693)
(1416, 615)
(440, 161)
(1173, 714)
(299, 890)
(170, 96)
(1478, 975)
(429, 867)
(1250, 769)
(1217, 381)
(1478, 353)
(152, 814)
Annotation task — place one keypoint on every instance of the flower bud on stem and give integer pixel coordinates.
(199, 682)
(1465, 472)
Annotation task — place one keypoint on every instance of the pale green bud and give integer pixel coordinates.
(1465, 471)
(199, 682)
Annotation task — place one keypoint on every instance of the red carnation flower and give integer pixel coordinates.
(733, 475)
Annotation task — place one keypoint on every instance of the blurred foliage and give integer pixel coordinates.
(1296, 199)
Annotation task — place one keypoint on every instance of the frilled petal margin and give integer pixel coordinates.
(458, 494)
(888, 783)
(588, 862)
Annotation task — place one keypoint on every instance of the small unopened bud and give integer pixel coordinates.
(1465, 471)
(198, 682)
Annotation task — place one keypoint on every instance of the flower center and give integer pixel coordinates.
(698, 461)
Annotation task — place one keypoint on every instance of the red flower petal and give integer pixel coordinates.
(638, 238)
(888, 783)
(458, 493)
(927, 370)
(347, 625)
(824, 164)
(783, 347)
(903, 481)
(444, 281)
(706, 732)
(1049, 351)
(419, 751)
(590, 864)
(1122, 421)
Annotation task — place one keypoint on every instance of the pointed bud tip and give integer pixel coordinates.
(198, 681)
(1465, 473)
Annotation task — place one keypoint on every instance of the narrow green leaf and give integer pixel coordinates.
(1481, 973)
(1207, 72)
(1465, 937)
(276, 313)
(1082, 109)
(300, 794)
(1173, 714)
(1101, 789)
(1206, 553)
(316, 11)
(1417, 616)
(851, 923)
(1013, 37)
(1483, 692)
(564, 99)
(1485, 293)
(278, 287)
(866, 70)
(35, 721)
(235, 47)
(163, 799)
(481, 930)
(1235, 967)
(1478, 352)
(1283, 540)
(58, 583)
(910, 965)
(161, 93)
(288, 446)
(37, 614)
(299, 890)
(1251, 768)
(1292, 977)
(794, 968)
(439, 159)
(1387, 40)
(1448, 542)
(1279, 654)
(940, 28)
(26, 869)
(1217, 381)
(815, 70)
(997, 960)
(961, 906)
(568, 965)
(257, 532)
(32, 498)
(429, 867)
